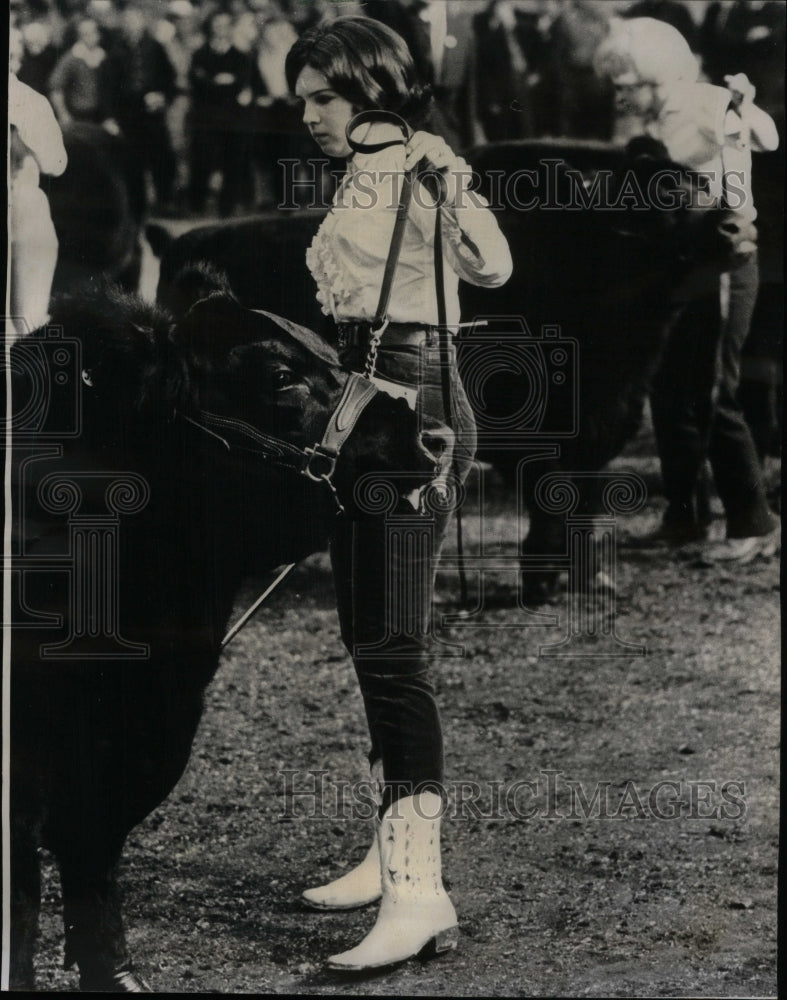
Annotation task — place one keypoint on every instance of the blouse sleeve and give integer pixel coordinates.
(474, 245)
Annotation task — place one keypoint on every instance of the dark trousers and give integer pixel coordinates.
(151, 144)
(384, 569)
(696, 413)
(218, 149)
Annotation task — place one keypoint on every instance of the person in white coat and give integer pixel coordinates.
(36, 147)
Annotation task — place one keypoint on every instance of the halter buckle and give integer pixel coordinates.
(312, 468)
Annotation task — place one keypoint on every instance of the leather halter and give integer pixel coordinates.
(318, 462)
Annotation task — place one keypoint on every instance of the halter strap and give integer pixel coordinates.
(405, 197)
(317, 463)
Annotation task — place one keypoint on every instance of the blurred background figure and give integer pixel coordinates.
(441, 39)
(277, 128)
(505, 105)
(748, 36)
(673, 12)
(513, 39)
(221, 92)
(521, 64)
(39, 56)
(582, 101)
(178, 33)
(82, 85)
(144, 88)
(36, 147)
(696, 412)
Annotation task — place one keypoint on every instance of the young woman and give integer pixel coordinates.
(351, 65)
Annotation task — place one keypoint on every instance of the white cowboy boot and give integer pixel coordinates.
(356, 888)
(361, 885)
(416, 916)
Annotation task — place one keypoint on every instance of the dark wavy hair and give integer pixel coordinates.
(366, 63)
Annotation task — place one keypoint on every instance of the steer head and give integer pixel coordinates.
(106, 371)
(283, 380)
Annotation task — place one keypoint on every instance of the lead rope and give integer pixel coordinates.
(380, 322)
(445, 379)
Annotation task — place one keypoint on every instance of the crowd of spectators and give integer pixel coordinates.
(197, 87)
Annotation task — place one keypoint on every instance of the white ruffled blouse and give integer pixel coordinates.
(348, 254)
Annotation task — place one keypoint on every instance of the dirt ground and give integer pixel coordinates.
(663, 885)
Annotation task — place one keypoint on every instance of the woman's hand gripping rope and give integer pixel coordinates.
(437, 155)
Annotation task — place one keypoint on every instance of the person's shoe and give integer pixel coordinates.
(361, 885)
(121, 981)
(743, 550)
(672, 536)
(416, 916)
(358, 887)
(599, 584)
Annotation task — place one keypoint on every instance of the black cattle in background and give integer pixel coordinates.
(606, 267)
(264, 260)
(609, 267)
(98, 207)
(134, 529)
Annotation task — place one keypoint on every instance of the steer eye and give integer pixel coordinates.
(283, 378)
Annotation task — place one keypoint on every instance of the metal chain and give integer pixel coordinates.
(335, 492)
(371, 357)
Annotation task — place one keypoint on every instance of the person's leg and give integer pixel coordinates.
(234, 187)
(733, 454)
(161, 157)
(202, 155)
(681, 404)
(392, 582)
(391, 579)
(385, 570)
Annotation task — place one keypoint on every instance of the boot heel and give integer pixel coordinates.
(441, 943)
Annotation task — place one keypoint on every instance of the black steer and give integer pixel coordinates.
(136, 525)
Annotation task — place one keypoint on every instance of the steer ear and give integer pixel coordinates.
(193, 283)
(213, 326)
